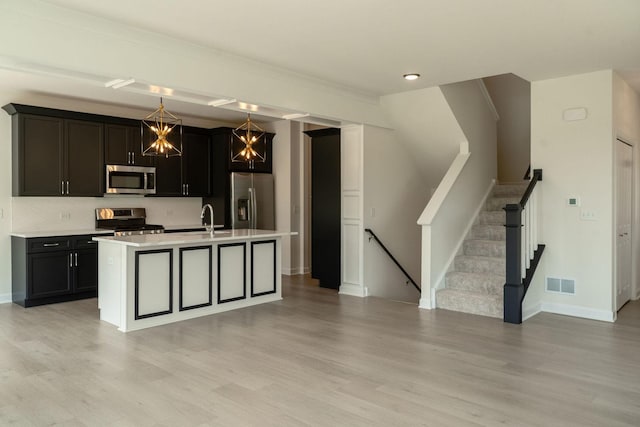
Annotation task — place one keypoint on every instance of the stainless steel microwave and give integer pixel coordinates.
(131, 179)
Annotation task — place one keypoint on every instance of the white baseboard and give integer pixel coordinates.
(425, 303)
(529, 312)
(294, 271)
(576, 311)
(352, 289)
(5, 298)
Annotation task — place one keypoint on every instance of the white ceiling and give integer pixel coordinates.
(367, 45)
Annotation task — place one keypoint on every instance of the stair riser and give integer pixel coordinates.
(491, 218)
(488, 306)
(479, 284)
(475, 265)
(495, 248)
(488, 232)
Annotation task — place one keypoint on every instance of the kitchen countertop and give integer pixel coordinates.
(49, 233)
(194, 237)
(82, 232)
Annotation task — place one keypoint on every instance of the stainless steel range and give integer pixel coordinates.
(125, 221)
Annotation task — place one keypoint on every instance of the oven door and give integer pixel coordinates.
(130, 179)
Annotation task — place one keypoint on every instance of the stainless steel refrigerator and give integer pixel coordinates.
(252, 201)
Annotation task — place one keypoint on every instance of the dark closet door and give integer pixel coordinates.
(325, 207)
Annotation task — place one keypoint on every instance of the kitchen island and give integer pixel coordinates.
(155, 279)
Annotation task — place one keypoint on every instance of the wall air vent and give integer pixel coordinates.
(561, 286)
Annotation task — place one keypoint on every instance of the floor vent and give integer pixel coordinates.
(561, 286)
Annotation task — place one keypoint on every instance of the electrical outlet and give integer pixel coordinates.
(373, 212)
(65, 216)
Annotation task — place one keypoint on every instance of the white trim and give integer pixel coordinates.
(444, 188)
(529, 312)
(425, 303)
(472, 221)
(5, 298)
(352, 289)
(577, 311)
(487, 97)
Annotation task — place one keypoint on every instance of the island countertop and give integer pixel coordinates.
(164, 239)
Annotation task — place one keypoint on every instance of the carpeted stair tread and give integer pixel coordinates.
(479, 264)
(497, 203)
(488, 232)
(492, 217)
(475, 282)
(481, 247)
(470, 302)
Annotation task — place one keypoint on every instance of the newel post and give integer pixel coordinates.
(513, 288)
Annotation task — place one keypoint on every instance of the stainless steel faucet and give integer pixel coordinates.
(210, 228)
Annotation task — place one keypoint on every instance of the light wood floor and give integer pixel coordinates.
(318, 359)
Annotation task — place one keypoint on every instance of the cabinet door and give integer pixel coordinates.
(169, 176)
(116, 145)
(84, 154)
(49, 274)
(196, 164)
(41, 149)
(264, 146)
(86, 270)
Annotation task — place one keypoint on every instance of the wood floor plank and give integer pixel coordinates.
(318, 358)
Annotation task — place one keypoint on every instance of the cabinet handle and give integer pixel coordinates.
(133, 157)
(67, 187)
(71, 260)
(61, 187)
(51, 245)
(187, 189)
(76, 257)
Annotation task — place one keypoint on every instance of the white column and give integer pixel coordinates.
(352, 155)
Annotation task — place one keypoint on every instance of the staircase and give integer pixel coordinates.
(475, 283)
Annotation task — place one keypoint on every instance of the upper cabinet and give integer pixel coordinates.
(56, 157)
(122, 146)
(190, 174)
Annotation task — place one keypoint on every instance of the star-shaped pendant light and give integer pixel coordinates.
(249, 133)
(165, 138)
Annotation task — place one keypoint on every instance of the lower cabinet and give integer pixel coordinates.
(55, 269)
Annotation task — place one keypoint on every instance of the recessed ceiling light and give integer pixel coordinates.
(411, 76)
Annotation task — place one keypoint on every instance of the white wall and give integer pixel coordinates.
(512, 97)
(577, 160)
(394, 196)
(286, 173)
(451, 211)
(423, 121)
(626, 116)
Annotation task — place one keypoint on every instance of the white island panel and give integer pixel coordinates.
(232, 272)
(154, 283)
(195, 277)
(263, 268)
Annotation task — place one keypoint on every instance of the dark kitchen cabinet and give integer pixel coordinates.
(169, 176)
(196, 165)
(84, 164)
(53, 269)
(122, 146)
(54, 156)
(190, 174)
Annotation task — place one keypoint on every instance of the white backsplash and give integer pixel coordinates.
(70, 213)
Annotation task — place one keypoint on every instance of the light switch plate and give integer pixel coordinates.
(587, 215)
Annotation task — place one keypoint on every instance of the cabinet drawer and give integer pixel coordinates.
(83, 242)
(49, 244)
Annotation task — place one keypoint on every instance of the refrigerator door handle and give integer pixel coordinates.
(254, 208)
